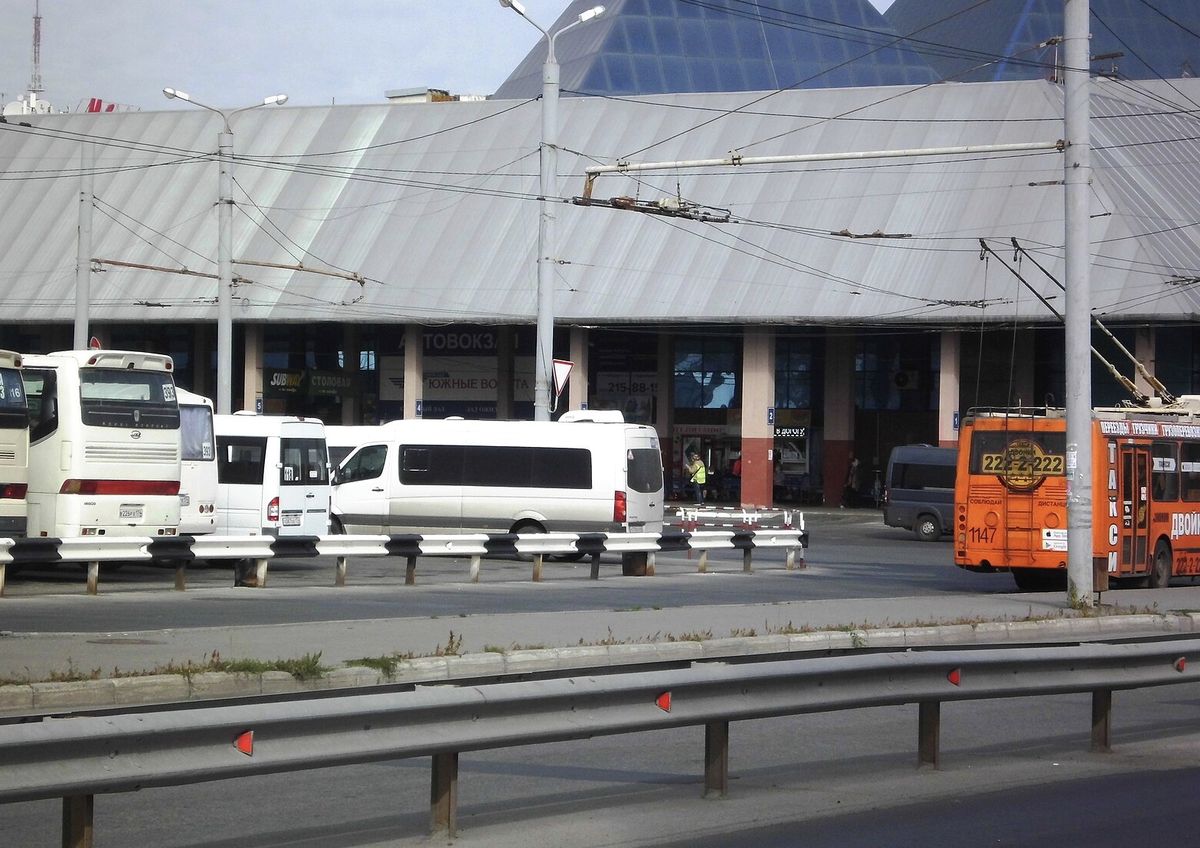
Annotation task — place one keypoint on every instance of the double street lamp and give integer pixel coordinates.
(224, 398)
(544, 355)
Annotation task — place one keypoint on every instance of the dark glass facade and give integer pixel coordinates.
(673, 46)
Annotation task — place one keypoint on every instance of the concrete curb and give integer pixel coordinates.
(18, 699)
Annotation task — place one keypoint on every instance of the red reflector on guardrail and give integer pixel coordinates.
(955, 676)
(244, 742)
(1181, 664)
(663, 702)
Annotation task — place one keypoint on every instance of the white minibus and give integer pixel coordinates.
(272, 475)
(198, 464)
(454, 475)
(14, 447)
(103, 444)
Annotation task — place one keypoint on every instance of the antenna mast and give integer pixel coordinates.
(35, 80)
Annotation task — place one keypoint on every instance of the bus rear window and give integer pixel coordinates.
(645, 470)
(13, 409)
(196, 434)
(1003, 452)
(119, 397)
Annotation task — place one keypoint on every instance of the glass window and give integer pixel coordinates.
(637, 31)
(431, 465)
(666, 36)
(304, 462)
(14, 411)
(196, 434)
(645, 470)
(41, 392)
(1164, 476)
(1189, 471)
(367, 464)
(620, 73)
(706, 373)
(120, 397)
(240, 459)
(1018, 454)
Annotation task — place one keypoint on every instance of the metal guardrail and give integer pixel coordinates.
(256, 552)
(78, 758)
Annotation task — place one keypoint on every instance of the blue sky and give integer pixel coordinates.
(235, 52)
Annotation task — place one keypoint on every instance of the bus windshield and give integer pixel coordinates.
(14, 411)
(112, 397)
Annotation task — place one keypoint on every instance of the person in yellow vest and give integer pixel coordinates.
(697, 476)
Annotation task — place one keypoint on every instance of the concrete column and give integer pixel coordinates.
(1144, 350)
(252, 367)
(839, 414)
(578, 385)
(505, 364)
(758, 435)
(948, 387)
(1022, 366)
(414, 367)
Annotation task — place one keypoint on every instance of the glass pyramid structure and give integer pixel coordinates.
(968, 41)
(642, 47)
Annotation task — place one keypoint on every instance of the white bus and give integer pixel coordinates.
(341, 439)
(14, 447)
(272, 475)
(104, 444)
(198, 464)
(453, 475)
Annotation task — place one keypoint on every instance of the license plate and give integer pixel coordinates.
(130, 512)
(291, 519)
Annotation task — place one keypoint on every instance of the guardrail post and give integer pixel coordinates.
(595, 575)
(181, 577)
(716, 759)
(3, 569)
(93, 578)
(650, 565)
(746, 561)
(1102, 721)
(443, 794)
(791, 559)
(339, 575)
(410, 572)
(702, 568)
(77, 811)
(929, 732)
(537, 568)
(474, 573)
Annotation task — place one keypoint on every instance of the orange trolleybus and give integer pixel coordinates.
(1010, 503)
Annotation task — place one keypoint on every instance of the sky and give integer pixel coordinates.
(236, 52)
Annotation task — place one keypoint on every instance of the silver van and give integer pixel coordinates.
(918, 492)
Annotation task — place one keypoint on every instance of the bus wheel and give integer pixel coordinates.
(927, 528)
(1160, 575)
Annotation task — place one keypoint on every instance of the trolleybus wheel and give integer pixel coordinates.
(1160, 574)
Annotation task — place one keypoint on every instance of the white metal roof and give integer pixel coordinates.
(435, 206)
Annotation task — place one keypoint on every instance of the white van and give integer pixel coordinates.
(273, 475)
(454, 475)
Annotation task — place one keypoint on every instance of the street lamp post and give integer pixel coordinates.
(544, 355)
(224, 399)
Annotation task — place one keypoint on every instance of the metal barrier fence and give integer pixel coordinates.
(254, 553)
(80, 757)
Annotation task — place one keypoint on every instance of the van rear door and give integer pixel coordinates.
(643, 481)
(303, 483)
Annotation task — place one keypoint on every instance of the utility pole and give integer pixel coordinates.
(83, 254)
(1077, 179)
